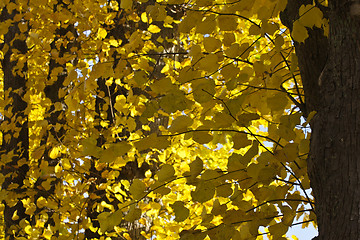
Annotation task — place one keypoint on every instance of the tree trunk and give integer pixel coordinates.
(14, 149)
(334, 162)
(334, 159)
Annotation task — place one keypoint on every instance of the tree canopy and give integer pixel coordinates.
(154, 119)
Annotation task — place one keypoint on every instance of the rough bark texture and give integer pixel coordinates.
(334, 159)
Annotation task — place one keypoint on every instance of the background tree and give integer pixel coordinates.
(179, 119)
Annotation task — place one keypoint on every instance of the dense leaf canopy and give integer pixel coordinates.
(163, 119)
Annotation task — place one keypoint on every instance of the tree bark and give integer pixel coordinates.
(334, 158)
(334, 162)
(15, 143)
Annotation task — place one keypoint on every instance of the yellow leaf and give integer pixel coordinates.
(152, 141)
(144, 17)
(252, 152)
(181, 212)
(308, 119)
(277, 102)
(217, 208)
(154, 29)
(133, 214)
(278, 230)
(223, 232)
(187, 74)
(140, 77)
(254, 30)
(227, 23)
(288, 154)
(90, 148)
(203, 90)
(269, 27)
(115, 150)
(166, 172)
(304, 146)
(41, 202)
(264, 13)
(230, 72)
(224, 190)
(229, 38)
(127, 236)
(299, 32)
(23, 27)
(121, 148)
(47, 234)
(15, 216)
(103, 220)
(137, 189)
(163, 85)
(102, 33)
(204, 192)
(28, 229)
(310, 16)
(114, 42)
(202, 137)
(279, 41)
(181, 124)
(174, 101)
(207, 26)
(107, 156)
(240, 140)
(55, 152)
(196, 167)
(233, 51)
(126, 4)
(162, 190)
(246, 118)
(47, 184)
(286, 132)
(222, 120)
(266, 175)
(235, 163)
(232, 216)
(210, 63)
(211, 44)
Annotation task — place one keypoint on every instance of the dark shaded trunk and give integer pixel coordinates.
(334, 159)
(14, 150)
(56, 124)
(104, 108)
(334, 162)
